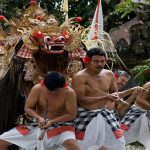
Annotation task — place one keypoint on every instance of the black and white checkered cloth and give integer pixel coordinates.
(57, 125)
(84, 117)
(110, 118)
(148, 114)
(132, 115)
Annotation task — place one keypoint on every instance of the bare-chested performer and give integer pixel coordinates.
(122, 78)
(96, 126)
(54, 106)
(136, 123)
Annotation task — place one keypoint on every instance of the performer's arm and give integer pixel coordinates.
(113, 87)
(122, 108)
(80, 86)
(137, 95)
(143, 100)
(125, 93)
(31, 102)
(144, 104)
(128, 92)
(114, 90)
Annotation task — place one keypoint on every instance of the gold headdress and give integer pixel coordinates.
(42, 35)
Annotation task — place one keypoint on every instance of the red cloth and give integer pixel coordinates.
(124, 127)
(59, 130)
(80, 135)
(118, 133)
(86, 59)
(66, 84)
(23, 130)
(42, 82)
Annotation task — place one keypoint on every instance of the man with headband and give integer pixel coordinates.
(96, 127)
(122, 78)
(53, 104)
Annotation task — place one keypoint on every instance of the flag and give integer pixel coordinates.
(97, 23)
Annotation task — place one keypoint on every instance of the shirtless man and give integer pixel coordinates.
(93, 87)
(122, 78)
(54, 106)
(136, 123)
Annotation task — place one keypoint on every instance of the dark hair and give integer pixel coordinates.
(96, 51)
(54, 80)
(120, 72)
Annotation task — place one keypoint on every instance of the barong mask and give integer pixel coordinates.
(34, 44)
(45, 44)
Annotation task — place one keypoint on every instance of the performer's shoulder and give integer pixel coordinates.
(37, 87)
(81, 73)
(108, 72)
(147, 85)
(70, 91)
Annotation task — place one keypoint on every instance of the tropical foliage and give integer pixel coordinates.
(126, 7)
(83, 8)
(142, 72)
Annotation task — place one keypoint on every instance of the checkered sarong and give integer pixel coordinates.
(111, 120)
(55, 125)
(60, 124)
(133, 114)
(148, 114)
(84, 117)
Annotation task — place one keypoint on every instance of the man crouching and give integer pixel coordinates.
(53, 104)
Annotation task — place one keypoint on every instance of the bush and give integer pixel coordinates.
(142, 72)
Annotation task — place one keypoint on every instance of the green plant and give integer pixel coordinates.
(126, 7)
(142, 72)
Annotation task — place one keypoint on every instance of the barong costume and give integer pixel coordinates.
(136, 126)
(29, 51)
(97, 128)
(27, 137)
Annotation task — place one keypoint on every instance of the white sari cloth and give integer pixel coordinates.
(30, 140)
(97, 131)
(101, 130)
(139, 128)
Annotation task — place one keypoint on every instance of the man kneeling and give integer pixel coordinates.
(54, 106)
